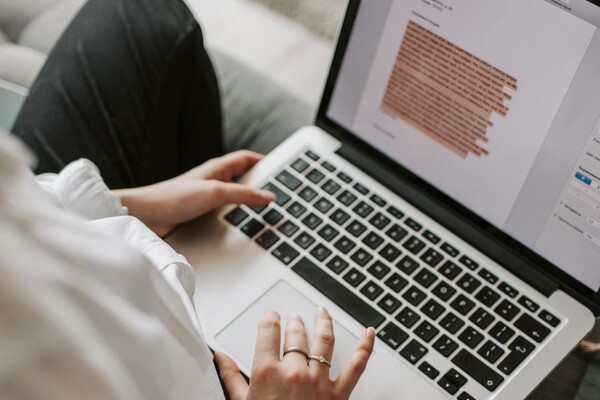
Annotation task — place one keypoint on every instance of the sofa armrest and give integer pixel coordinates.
(11, 100)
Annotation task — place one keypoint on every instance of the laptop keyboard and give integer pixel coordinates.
(387, 270)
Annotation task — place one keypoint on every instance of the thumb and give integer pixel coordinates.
(236, 385)
(235, 193)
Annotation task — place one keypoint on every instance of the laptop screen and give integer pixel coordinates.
(496, 103)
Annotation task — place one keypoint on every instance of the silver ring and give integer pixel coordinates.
(296, 349)
(320, 359)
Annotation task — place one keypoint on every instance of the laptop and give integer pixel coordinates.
(448, 195)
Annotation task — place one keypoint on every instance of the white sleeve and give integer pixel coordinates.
(79, 188)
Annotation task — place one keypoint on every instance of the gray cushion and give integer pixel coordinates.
(20, 65)
(258, 114)
(16, 14)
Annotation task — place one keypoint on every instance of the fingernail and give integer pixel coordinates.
(267, 196)
(370, 333)
(323, 310)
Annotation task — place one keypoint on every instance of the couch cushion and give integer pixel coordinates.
(20, 65)
(16, 14)
(3, 37)
(45, 29)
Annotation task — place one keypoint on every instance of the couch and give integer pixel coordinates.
(288, 41)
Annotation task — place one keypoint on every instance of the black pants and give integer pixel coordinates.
(129, 86)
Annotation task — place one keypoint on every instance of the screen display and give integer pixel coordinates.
(494, 102)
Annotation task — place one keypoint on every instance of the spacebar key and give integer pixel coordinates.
(337, 293)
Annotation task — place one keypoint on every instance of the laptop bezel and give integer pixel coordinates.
(565, 281)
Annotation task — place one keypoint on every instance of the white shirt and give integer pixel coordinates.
(93, 305)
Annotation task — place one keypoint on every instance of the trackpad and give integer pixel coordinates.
(239, 337)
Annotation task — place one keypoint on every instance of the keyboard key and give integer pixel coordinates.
(462, 304)
(379, 269)
(477, 370)
(456, 377)
(491, 352)
(432, 257)
(487, 296)
(549, 318)
(361, 189)
(300, 165)
(412, 224)
(315, 176)
(361, 257)
(340, 217)
(528, 304)
(371, 290)
(532, 328)
(380, 221)
(312, 155)
(501, 332)
(508, 290)
(308, 194)
(413, 351)
(331, 187)
(426, 331)
(372, 240)
(448, 386)
(344, 245)
(390, 252)
(312, 221)
(407, 317)
(444, 291)
(482, 318)
(396, 233)
(236, 217)
(468, 283)
(433, 309)
(252, 227)
(282, 197)
(328, 166)
(465, 396)
(425, 278)
(354, 277)
(344, 178)
(396, 283)
(431, 237)
(450, 270)
(323, 205)
(296, 209)
(272, 217)
(304, 240)
(378, 200)
(346, 198)
(520, 349)
(389, 304)
(320, 252)
(414, 245)
(337, 265)
(288, 228)
(471, 337)
(394, 212)
(328, 233)
(392, 336)
(414, 296)
(408, 265)
(356, 229)
(449, 249)
(507, 310)
(488, 276)
(344, 298)
(445, 346)
(428, 370)
(469, 263)
(289, 181)
(363, 210)
(285, 253)
(451, 323)
(267, 239)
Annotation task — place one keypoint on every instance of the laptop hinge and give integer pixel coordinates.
(451, 219)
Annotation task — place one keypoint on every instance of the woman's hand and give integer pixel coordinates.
(293, 378)
(165, 205)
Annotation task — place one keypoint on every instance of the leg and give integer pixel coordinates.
(130, 87)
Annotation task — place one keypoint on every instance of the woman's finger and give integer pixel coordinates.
(226, 167)
(234, 193)
(323, 341)
(268, 339)
(353, 371)
(295, 337)
(234, 382)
